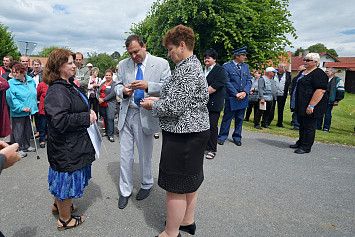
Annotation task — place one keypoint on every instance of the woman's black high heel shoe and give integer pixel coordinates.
(191, 229)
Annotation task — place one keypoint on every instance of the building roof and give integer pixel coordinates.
(339, 65)
(346, 59)
(296, 62)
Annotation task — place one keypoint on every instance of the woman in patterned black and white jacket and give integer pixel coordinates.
(183, 116)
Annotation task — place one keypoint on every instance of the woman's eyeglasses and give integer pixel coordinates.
(308, 60)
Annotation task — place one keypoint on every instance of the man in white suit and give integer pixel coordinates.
(141, 75)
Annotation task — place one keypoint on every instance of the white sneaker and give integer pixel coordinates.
(22, 153)
(30, 149)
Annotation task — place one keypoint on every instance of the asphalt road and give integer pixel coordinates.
(259, 189)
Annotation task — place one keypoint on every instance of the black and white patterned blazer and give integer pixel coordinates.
(182, 107)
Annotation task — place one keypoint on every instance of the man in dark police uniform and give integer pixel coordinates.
(238, 85)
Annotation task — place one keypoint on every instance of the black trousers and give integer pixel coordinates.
(307, 132)
(94, 105)
(264, 114)
(212, 142)
(281, 100)
(252, 105)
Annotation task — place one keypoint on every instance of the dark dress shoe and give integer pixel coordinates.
(300, 151)
(295, 128)
(191, 229)
(122, 202)
(142, 194)
(238, 143)
(295, 146)
(258, 127)
(220, 142)
(266, 126)
(280, 125)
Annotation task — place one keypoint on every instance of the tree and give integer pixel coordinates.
(321, 48)
(103, 61)
(7, 43)
(298, 51)
(46, 51)
(224, 25)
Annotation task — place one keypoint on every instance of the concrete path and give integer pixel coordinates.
(259, 189)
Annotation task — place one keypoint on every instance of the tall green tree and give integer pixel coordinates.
(103, 61)
(7, 43)
(46, 51)
(321, 48)
(224, 25)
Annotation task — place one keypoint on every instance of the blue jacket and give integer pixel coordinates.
(237, 80)
(20, 95)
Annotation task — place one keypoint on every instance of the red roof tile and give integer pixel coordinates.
(339, 65)
(346, 59)
(296, 62)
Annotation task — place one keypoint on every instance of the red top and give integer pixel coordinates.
(41, 94)
(103, 93)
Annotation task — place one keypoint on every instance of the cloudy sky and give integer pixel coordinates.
(102, 26)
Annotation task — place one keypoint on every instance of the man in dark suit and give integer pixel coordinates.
(283, 81)
(238, 86)
(216, 80)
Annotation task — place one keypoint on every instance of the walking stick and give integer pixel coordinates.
(34, 138)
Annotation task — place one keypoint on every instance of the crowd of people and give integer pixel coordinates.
(184, 104)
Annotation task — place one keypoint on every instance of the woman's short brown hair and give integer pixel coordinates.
(109, 71)
(180, 33)
(56, 59)
(19, 67)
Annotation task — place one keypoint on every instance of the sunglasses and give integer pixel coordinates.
(308, 60)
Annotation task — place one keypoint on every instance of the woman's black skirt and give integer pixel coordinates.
(181, 161)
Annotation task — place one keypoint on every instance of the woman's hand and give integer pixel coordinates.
(101, 101)
(26, 109)
(309, 110)
(147, 103)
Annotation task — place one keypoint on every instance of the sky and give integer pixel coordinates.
(102, 26)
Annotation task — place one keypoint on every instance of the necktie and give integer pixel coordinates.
(139, 94)
(238, 66)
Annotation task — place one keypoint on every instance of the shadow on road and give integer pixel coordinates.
(274, 143)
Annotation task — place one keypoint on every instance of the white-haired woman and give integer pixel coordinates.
(309, 100)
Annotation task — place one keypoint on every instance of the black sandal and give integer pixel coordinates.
(65, 226)
(111, 139)
(211, 155)
(56, 212)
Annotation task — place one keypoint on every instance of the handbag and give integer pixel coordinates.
(254, 97)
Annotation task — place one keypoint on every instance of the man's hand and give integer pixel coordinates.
(10, 151)
(139, 84)
(211, 90)
(127, 90)
(241, 95)
(336, 103)
(262, 101)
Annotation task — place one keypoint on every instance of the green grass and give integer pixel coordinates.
(343, 123)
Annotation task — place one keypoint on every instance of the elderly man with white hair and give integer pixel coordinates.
(282, 80)
(309, 101)
(336, 93)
